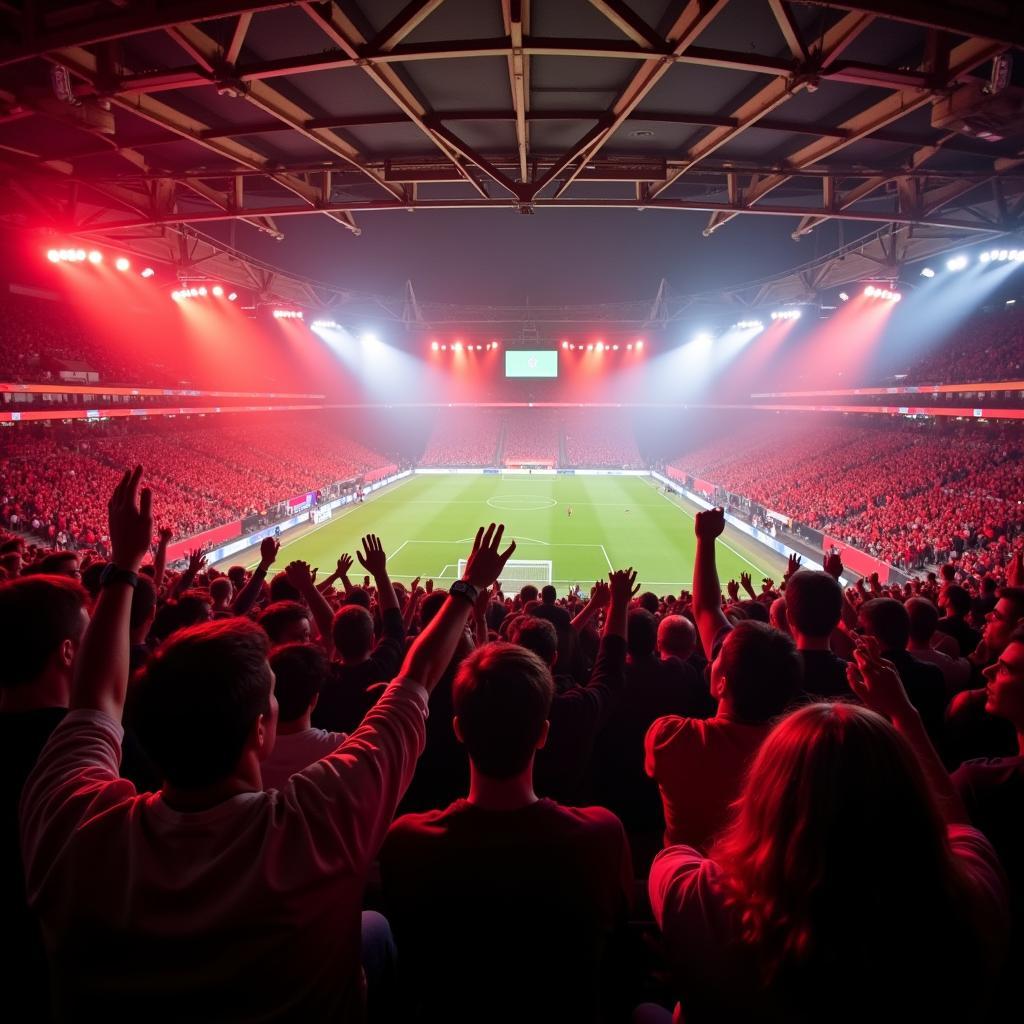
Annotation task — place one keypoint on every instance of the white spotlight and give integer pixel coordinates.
(956, 263)
(927, 272)
(844, 297)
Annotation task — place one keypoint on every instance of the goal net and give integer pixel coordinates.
(520, 571)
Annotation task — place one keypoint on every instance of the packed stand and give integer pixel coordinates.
(531, 434)
(621, 805)
(600, 438)
(464, 437)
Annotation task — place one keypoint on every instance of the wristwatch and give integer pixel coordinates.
(112, 574)
(464, 589)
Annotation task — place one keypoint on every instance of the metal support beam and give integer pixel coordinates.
(629, 23)
(790, 30)
(516, 17)
(402, 24)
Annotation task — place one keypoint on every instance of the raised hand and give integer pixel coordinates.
(709, 524)
(833, 565)
(372, 558)
(747, 583)
(485, 561)
(414, 587)
(793, 565)
(429, 586)
(164, 535)
(298, 574)
(130, 514)
(196, 560)
(600, 594)
(766, 584)
(622, 585)
(344, 564)
(875, 681)
(268, 551)
(734, 590)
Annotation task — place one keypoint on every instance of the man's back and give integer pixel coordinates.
(505, 915)
(824, 676)
(248, 909)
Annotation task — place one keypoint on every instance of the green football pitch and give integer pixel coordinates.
(427, 523)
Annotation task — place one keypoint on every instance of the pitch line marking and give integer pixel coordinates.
(606, 558)
(395, 552)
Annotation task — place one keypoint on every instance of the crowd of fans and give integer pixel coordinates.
(262, 796)
(464, 437)
(533, 434)
(602, 438)
(209, 474)
(909, 495)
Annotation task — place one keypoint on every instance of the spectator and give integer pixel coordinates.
(924, 621)
(503, 892)
(957, 604)
(795, 899)
(814, 605)
(286, 622)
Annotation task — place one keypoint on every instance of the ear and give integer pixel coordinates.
(543, 738)
(67, 653)
(457, 726)
(260, 738)
(718, 686)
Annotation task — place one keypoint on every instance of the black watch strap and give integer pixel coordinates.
(113, 574)
(464, 589)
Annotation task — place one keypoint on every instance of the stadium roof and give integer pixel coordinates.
(145, 122)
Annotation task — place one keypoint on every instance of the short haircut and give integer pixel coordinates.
(548, 594)
(537, 635)
(762, 669)
(431, 605)
(37, 614)
(528, 593)
(276, 618)
(221, 589)
(676, 636)
(958, 599)
(282, 590)
(641, 633)
(755, 610)
(358, 597)
(91, 578)
(1015, 595)
(887, 620)
(56, 563)
(1017, 636)
(923, 619)
(11, 545)
(502, 697)
(198, 698)
(648, 600)
(237, 576)
(352, 631)
(192, 608)
(143, 602)
(300, 671)
(814, 603)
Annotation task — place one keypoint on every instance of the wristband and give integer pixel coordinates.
(114, 574)
(464, 589)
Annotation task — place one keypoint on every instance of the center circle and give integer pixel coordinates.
(521, 503)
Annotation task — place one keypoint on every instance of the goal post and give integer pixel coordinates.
(520, 571)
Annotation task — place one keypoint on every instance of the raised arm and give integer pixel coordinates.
(160, 558)
(707, 591)
(101, 669)
(432, 650)
(300, 577)
(373, 559)
(196, 562)
(877, 683)
(599, 598)
(247, 595)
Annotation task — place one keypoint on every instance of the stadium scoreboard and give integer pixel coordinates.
(529, 363)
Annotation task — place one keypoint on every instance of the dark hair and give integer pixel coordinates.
(91, 578)
(502, 696)
(358, 597)
(886, 620)
(648, 600)
(431, 605)
(37, 614)
(282, 590)
(221, 587)
(300, 671)
(762, 668)
(548, 594)
(537, 635)
(352, 631)
(277, 618)
(958, 599)
(1015, 595)
(641, 633)
(237, 576)
(54, 564)
(814, 603)
(528, 593)
(756, 611)
(922, 619)
(198, 697)
(143, 602)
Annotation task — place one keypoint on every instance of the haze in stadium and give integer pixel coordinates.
(512, 510)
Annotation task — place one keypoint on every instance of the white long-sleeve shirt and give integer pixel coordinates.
(246, 910)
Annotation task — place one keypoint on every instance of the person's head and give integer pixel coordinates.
(42, 620)
(528, 593)
(300, 671)
(221, 591)
(676, 637)
(989, 585)
(352, 632)
(501, 697)
(431, 605)
(58, 563)
(548, 594)
(282, 590)
(648, 600)
(755, 610)
(193, 607)
(778, 615)
(358, 596)
(11, 563)
(1003, 619)
(537, 635)
(757, 670)
(205, 703)
(91, 578)
(237, 576)
(887, 621)
(143, 609)
(956, 601)
(641, 633)
(814, 603)
(923, 618)
(286, 622)
(829, 784)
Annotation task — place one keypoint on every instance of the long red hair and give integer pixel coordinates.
(838, 864)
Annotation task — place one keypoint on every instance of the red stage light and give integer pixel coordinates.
(615, 348)
(218, 291)
(590, 347)
(444, 348)
(232, 297)
(122, 264)
(95, 256)
(630, 346)
(565, 344)
(640, 343)
(147, 272)
(600, 346)
(479, 348)
(434, 345)
(53, 255)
